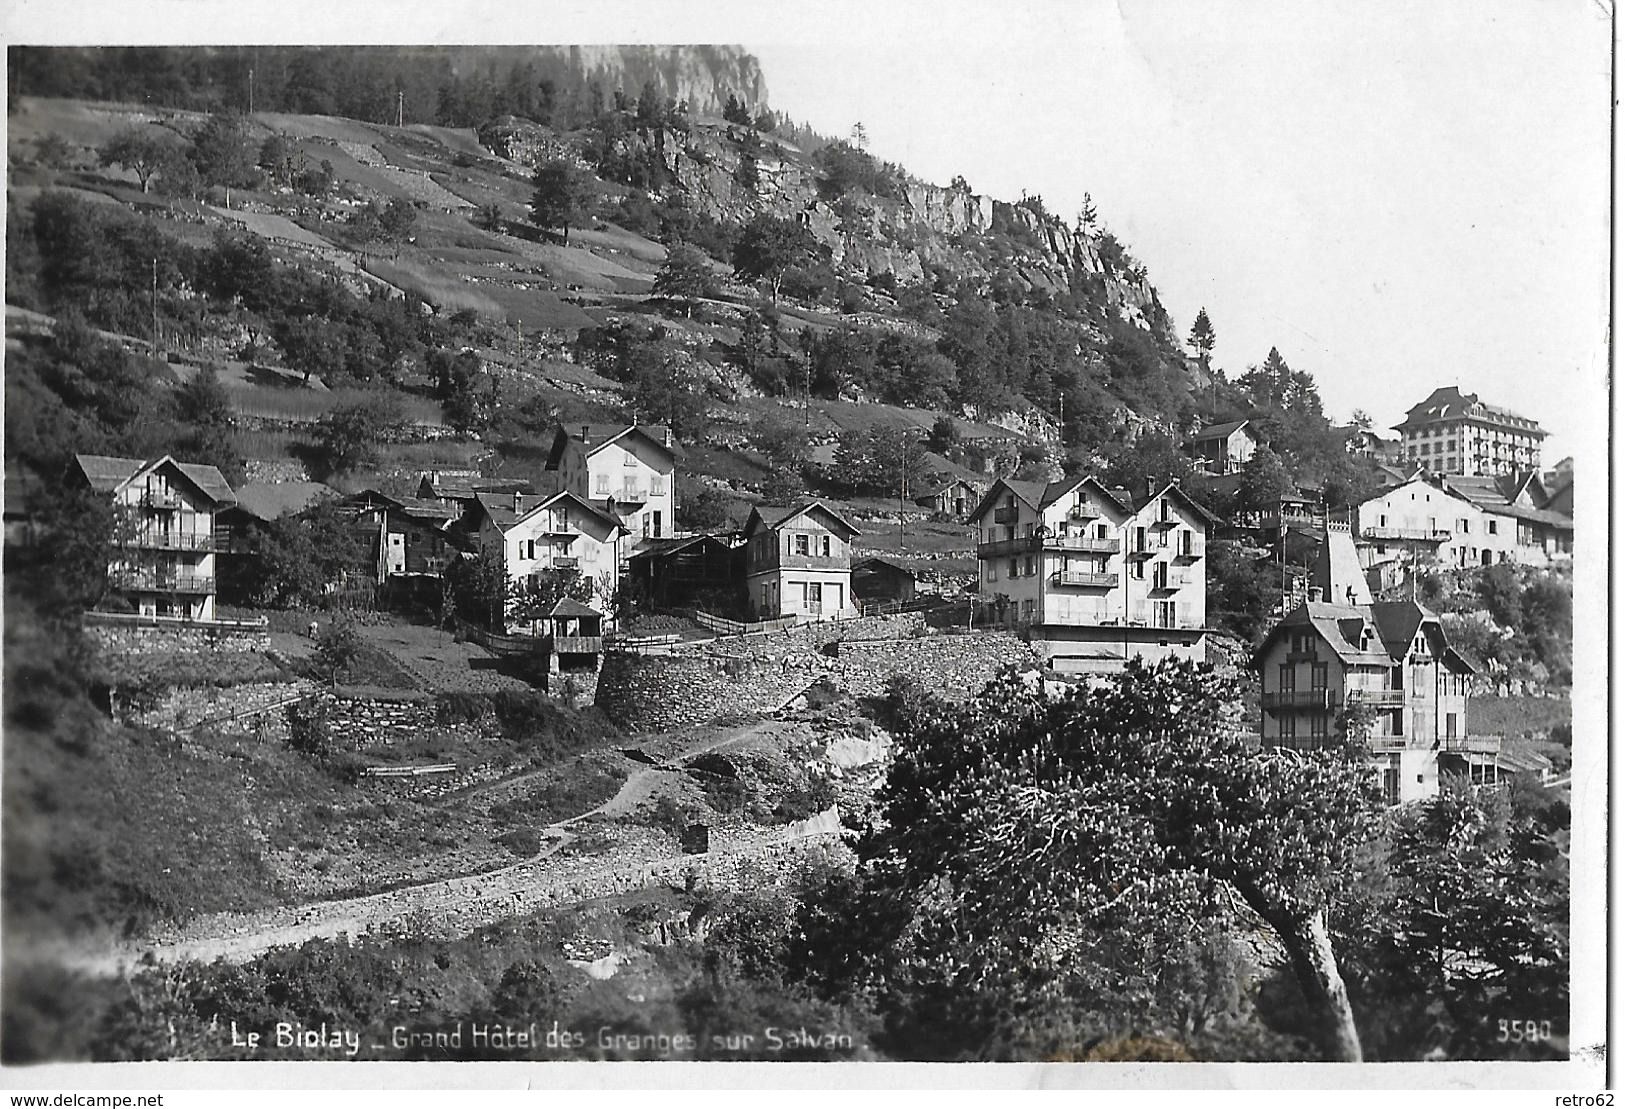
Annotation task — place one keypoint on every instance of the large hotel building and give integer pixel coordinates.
(1456, 433)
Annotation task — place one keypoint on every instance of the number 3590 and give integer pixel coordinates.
(1523, 1031)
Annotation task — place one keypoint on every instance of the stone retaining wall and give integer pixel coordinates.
(364, 722)
(756, 674)
(136, 640)
(181, 709)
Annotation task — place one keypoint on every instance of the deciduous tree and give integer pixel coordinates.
(136, 149)
(1022, 830)
(685, 274)
(559, 196)
(768, 246)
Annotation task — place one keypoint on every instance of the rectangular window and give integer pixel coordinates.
(1288, 679)
(1317, 677)
(1030, 570)
(992, 571)
(600, 484)
(1289, 726)
(803, 544)
(1317, 725)
(823, 545)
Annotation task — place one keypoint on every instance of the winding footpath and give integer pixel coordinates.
(456, 906)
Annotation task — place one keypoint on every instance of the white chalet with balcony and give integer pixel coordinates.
(543, 535)
(162, 557)
(1095, 575)
(626, 470)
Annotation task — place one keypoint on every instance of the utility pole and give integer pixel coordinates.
(250, 90)
(400, 107)
(154, 343)
(902, 478)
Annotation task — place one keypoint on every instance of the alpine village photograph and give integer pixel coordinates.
(536, 553)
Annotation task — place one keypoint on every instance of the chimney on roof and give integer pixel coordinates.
(665, 437)
(516, 502)
(1314, 593)
(586, 435)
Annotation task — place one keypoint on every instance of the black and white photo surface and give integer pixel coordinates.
(1014, 534)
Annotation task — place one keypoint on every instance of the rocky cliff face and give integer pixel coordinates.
(922, 225)
(903, 234)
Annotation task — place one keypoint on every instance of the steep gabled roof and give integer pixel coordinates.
(1055, 490)
(1173, 488)
(1339, 626)
(774, 516)
(1219, 431)
(541, 504)
(500, 507)
(1031, 493)
(598, 436)
(107, 473)
(1398, 622)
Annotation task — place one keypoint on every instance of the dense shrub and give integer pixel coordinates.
(523, 842)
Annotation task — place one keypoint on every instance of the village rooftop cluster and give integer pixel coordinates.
(1092, 576)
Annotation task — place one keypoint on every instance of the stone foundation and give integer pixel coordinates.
(227, 708)
(757, 674)
(133, 639)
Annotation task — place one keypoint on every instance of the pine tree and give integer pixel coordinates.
(1202, 337)
(1086, 214)
(734, 111)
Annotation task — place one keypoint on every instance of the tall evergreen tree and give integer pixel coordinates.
(1202, 337)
